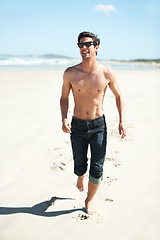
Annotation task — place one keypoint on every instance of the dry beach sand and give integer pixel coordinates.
(38, 196)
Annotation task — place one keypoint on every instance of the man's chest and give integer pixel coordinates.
(89, 83)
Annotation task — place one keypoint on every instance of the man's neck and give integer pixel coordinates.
(89, 65)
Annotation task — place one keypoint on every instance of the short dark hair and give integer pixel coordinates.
(94, 37)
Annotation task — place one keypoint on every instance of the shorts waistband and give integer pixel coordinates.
(88, 122)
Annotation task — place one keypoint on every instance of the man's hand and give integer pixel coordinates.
(66, 126)
(122, 130)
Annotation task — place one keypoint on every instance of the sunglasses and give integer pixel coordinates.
(87, 44)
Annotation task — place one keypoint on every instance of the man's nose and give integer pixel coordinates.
(84, 46)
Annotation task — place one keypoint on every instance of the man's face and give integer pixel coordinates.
(88, 52)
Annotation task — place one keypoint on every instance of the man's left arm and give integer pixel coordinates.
(113, 84)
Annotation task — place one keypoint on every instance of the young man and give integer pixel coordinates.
(88, 82)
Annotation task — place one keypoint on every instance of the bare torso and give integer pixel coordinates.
(88, 91)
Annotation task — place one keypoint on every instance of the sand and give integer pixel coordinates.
(39, 198)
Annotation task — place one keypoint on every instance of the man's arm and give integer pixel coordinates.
(64, 102)
(119, 102)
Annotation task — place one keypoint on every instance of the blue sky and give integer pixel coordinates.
(128, 29)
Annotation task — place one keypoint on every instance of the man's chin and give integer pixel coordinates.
(85, 57)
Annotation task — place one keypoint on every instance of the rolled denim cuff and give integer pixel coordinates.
(95, 180)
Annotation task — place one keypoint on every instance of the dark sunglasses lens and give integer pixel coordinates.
(80, 45)
(87, 44)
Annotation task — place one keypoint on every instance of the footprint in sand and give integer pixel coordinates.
(57, 167)
(95, 218)
(116, 162)
(83, 216)
(56, 148)
(109, 180)
(108, 200)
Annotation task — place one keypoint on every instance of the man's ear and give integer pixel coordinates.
(96, 47)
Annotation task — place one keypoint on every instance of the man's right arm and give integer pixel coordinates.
(64, 102)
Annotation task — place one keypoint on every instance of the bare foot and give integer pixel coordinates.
(80, 183)
(89, 208)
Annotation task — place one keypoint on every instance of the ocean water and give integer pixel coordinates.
(8, 62)
(31, 63)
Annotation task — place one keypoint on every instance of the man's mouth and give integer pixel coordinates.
(84, 52)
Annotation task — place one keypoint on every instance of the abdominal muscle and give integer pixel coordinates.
(88, 107)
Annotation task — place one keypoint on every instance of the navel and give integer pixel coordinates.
(79, 90)
(98, 90)
(87, 112)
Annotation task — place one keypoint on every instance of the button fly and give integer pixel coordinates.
(88, 125)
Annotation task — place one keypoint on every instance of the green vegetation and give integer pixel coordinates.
(146, 60)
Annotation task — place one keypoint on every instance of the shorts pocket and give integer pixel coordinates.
(100, 124)
(74, 125)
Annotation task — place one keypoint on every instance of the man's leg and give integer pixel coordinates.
(98, 150)
(92, 189)
(79, 148)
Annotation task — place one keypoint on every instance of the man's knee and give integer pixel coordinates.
(80, 170)
(95, 180)
(96, 174)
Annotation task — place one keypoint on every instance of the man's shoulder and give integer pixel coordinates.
(105, 69)
(72, 69)
(108, 72)
(71, 72)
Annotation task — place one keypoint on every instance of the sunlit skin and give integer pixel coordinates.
(88, 82)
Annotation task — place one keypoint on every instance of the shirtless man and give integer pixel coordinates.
(88, 82)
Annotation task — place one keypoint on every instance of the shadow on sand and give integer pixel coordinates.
(40, 209)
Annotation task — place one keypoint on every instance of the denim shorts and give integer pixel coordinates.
(85, 133)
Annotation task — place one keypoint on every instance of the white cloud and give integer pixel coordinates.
(133, 6)
(106, 8)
